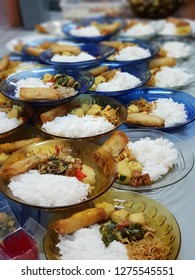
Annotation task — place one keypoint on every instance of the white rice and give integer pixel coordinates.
(88, 31)
(83, 56)
(156, 156)
(139, 29)
(48, 189)
(132, 53)
(121, 81)
(30, 82)
(7, 124)
(169, 28)
(171, 111)
(177, 49)
(86, 244)
(75, 127)
(172, 77)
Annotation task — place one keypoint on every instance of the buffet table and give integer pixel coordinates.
(179, 197)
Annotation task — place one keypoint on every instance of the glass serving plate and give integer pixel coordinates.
(91, 154)
(89, 99)
(156, 214)
(152, 94)
(100, 52)
(184, 165)
(140, 71)
(152, 47)
(67, 29)
(84, 78)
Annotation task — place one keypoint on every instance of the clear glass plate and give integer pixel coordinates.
(183, 166)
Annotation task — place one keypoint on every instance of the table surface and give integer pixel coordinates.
(178, 198)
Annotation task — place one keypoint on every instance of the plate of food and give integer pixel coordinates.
(86, 117)
(148, 159)
(81, 55)
(159, 108)
(141, 29)
(176, 27)
(74, 172)
(131, 226)
(46, 85)
(52, 27)
(10, 64)
(93, 30)
(131, 51)
(112, 80)
(13, 116)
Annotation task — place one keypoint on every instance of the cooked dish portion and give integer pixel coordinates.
(163, 112)
(141, 162)
(138, 28)
(50, 87)
(176, 26)
(85, 121)
(126, 51)
(105, 233)
(54, 180)
(112, 80)
(96, 29)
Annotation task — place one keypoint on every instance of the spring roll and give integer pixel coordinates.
(24, 165)
(162, 61)
(50, 115)
(39, 93)
(35, 51)
(65, 48)
(144, 120)
(79, 220)
(116, 143)
(4, 62)
(14, 146)
(110, 28)
(98, 70)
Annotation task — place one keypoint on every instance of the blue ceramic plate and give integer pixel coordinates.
(153, 48)
(101, 52)
(67, 29)
(84, 78)
(152, 94)
(138, 71)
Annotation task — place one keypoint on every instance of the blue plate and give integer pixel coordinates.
(138, 71)
(67, 28)
(152, 94)
(153, 48)
(101, 52)
(84, 78)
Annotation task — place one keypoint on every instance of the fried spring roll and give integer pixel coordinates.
(145, 120)
(79, 220)
(116, 143)
(110, 28)
(162, 61)
(39, 93)
(66, 48)
(24, 165)
(114, 44)
(98, 70)
(4, 62)
(35, 51)
(14, 146)
(50, 115)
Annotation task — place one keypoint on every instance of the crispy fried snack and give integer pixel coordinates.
(162, 61)
(98, 70)
(39, 93)
(4, 62)
(14, 146)
(57, 111)
(83, 218)
(24, 165)
(144, 120)
(116, 143)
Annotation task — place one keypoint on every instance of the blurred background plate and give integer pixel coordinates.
(91, 154)
(152, 94)
(139, 71)
(184, 165)
(157, 217)
(84, 78)
(88, 99)
(100, 52)
(67, 28)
